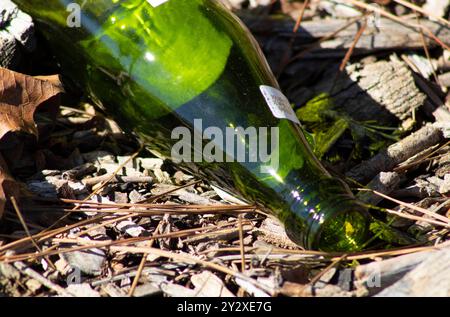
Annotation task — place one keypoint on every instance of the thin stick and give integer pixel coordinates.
(347, 56)
(105, 205)
(316, 278)
(420, 209)
(332, 256)
(24, 225)
(405, 167)
(389, 15)
(422, 160)
(77, 111)
(352, 47)
(230, 249)
(154, 198)
(162, 211)
(285, 58)
(436, 39)
(101, 225)
(143, 261)
(427, 53)
(241, 243)
(412, 217)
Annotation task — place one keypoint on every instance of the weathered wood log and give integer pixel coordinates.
(275, 33)
(383, 91)
(379, 275)
(430, 278)
(397, 153)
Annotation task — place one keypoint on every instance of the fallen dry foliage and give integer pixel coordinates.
(20, 96)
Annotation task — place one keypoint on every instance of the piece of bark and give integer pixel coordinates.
(116, 179)
(431, 278)
(89, 262)
(376, 276)
(444, 79)
(384, 91)
(273, 232)
(275, 34)
(79, 171)
(395, 154)
(219, 235)
(384, 182)
(277, 258)
(131, 228)
(194, 198)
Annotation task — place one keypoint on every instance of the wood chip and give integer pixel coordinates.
(209, 285)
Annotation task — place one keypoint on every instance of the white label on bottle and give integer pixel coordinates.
(278, 103)
(155, 3)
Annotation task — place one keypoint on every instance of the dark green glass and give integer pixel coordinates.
(156, 68)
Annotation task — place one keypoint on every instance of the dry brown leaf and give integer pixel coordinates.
(20, 96)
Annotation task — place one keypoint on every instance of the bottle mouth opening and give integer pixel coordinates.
(344, 230)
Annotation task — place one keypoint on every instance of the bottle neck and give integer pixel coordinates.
(322, 213)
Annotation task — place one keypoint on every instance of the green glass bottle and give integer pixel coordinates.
(167, 69)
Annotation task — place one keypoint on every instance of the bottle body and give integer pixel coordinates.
(185, 67)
